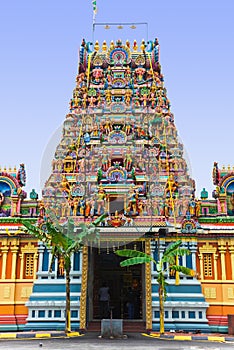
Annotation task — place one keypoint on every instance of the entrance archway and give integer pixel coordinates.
(105, 267)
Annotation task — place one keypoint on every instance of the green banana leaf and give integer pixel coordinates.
(130, 253)
(136, 260)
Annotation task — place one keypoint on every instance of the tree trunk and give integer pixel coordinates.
(161, 309)
(68, 301)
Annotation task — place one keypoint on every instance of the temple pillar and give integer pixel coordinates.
(231, 249)
(35, 259)
(222, 251)
(41, 249)
(200, 256)
(83, 297)
(21, 265)
(148, 288)
(4, 251)
(14, 250)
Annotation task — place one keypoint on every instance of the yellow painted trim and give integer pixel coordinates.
(220, 303)
(74, 334)
(182, 337)
(8, 335)
(220, 339)
(13, 281)
(42, 335)
(11, 302)
(220, 282)
(151, 335)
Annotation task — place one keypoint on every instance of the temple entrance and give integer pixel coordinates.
(106, 268)
(116, 203)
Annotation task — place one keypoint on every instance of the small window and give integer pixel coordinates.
(50, 313)
(41, 313)
(29, 265)
(156, 314)
(182, 314)
(191, 314)
(74, 314)
(57, 313)
(175, 314)
(207, 261)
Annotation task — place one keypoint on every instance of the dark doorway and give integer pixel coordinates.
(116, 204)
(106, 268)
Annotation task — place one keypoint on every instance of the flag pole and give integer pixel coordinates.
(94, 2)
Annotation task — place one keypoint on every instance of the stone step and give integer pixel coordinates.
(128, 326)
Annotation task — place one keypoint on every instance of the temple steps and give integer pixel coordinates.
(137, 326)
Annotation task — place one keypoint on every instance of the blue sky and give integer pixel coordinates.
(39, 42)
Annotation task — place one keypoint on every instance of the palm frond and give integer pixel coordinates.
(130, 253)
(187, 271)
(99, 219)
(171, 247)
(180, 252)
(170, 259)
(135, 261)
(35, 230)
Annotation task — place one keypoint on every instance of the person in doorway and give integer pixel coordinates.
(131, 299)
(104, 299)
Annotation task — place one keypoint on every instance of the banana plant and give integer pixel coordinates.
(64, 241)
(168, 263)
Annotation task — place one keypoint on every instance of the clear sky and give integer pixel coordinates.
(39, 42)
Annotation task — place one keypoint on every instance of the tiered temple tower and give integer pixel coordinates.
(120, 154)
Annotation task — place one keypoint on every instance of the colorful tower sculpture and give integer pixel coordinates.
(18, 251)
(120, 154)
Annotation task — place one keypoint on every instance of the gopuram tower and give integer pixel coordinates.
(120, 154)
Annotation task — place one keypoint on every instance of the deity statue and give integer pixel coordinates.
(128, 159)
(105, 159)
(101, 198)
(127, 127)
(107, 126)
(75, 205)
(169, 207)
(192, 206)
(65, 186)
(132, 201)
(171, 186)
(197, 207)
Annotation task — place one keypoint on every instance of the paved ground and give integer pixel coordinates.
(91, 341)
(221, 338)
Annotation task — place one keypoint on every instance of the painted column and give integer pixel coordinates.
(49, 263)
(14, 250)
(148, 288)
(21, 265)
(215, 266)
(193, 250)
(83, 296)
(201, 265)
(231, 249)
(4, 250)
(35, 259)
(184, 263)
(152, 249)
(41, 249)
(222, 250)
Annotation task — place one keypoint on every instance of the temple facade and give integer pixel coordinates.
(18, 250)
(120, 154)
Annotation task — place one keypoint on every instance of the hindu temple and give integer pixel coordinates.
(119, 154)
